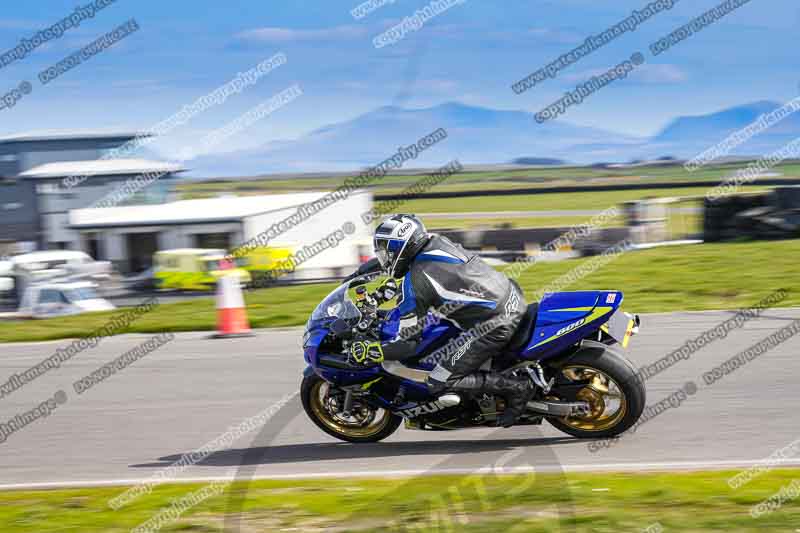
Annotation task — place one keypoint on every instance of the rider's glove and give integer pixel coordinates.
(366, 352)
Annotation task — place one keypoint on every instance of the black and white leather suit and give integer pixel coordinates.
(458, 286)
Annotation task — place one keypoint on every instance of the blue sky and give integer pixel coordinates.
(472, 53)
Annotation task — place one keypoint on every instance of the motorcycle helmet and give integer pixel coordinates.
(398, 239)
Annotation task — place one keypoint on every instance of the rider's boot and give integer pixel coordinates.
(516, 391)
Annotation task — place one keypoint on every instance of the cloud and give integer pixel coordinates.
(287, 35)
(140, 85)
(354, 85)
(437, 85)
(645, 74)
(23, 24)
(660, 74)
(426, 85)
(555, 36)
(532, 36)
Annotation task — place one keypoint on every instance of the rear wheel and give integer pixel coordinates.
(610, 385)
(323, 404)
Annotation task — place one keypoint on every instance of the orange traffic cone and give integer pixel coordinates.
(231, 313)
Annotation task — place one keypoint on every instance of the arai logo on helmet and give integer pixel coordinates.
(404, 229)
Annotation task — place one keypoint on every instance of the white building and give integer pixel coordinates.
(128, 236)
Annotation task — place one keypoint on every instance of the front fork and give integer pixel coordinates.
(348, 403)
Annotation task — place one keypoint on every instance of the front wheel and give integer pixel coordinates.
(323, 404)
(608, 382)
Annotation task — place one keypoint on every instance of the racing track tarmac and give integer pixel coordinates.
(190, 391)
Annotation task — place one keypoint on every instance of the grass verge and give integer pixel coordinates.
(596, 201)
(687, 501)
(479, 180)
(700, 277)
(467, 222)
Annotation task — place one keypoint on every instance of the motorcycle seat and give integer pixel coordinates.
(525, 329)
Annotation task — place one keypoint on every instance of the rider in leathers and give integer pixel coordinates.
(458, 286)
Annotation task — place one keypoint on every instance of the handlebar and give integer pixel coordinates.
(369, 303)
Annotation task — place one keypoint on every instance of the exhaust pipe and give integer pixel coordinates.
(559, 409)
(449, 400)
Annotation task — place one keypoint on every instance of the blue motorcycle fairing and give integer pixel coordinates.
(341, 376)
(311, 341)
(391, 325)
(434, 337)
(565, 318)
(558, 307)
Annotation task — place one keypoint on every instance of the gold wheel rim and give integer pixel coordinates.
(369, 422)
(607, 402)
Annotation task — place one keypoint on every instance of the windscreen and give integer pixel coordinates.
(210, 265)
(83, 293)
(337, 304)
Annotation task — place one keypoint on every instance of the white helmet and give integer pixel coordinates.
(398, 239)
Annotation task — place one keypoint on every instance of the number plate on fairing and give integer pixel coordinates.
(620, 327)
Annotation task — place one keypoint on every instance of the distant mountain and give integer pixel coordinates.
(478, 135)
(686, 137)
(702, 127)
(691, 135)
(538, 161)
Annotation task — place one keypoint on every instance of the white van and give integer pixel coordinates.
(45, 300)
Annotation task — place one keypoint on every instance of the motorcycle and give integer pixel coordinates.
(566, 344)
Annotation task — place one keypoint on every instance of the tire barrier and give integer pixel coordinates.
(772, 215)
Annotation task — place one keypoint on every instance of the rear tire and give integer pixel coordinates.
(631, 392)
(315, 396)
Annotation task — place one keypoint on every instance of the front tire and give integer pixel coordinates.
(615, 393)
(366, 424)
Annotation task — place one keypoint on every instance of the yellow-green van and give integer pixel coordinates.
(265, 263)
(192, 269)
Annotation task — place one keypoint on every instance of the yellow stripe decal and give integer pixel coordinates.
(369, 384)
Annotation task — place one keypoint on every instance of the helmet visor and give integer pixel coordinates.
(388, 251)
(382, 252)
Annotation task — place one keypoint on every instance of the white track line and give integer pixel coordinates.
(554, 468)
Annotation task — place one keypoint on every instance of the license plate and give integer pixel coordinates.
(620, 327)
